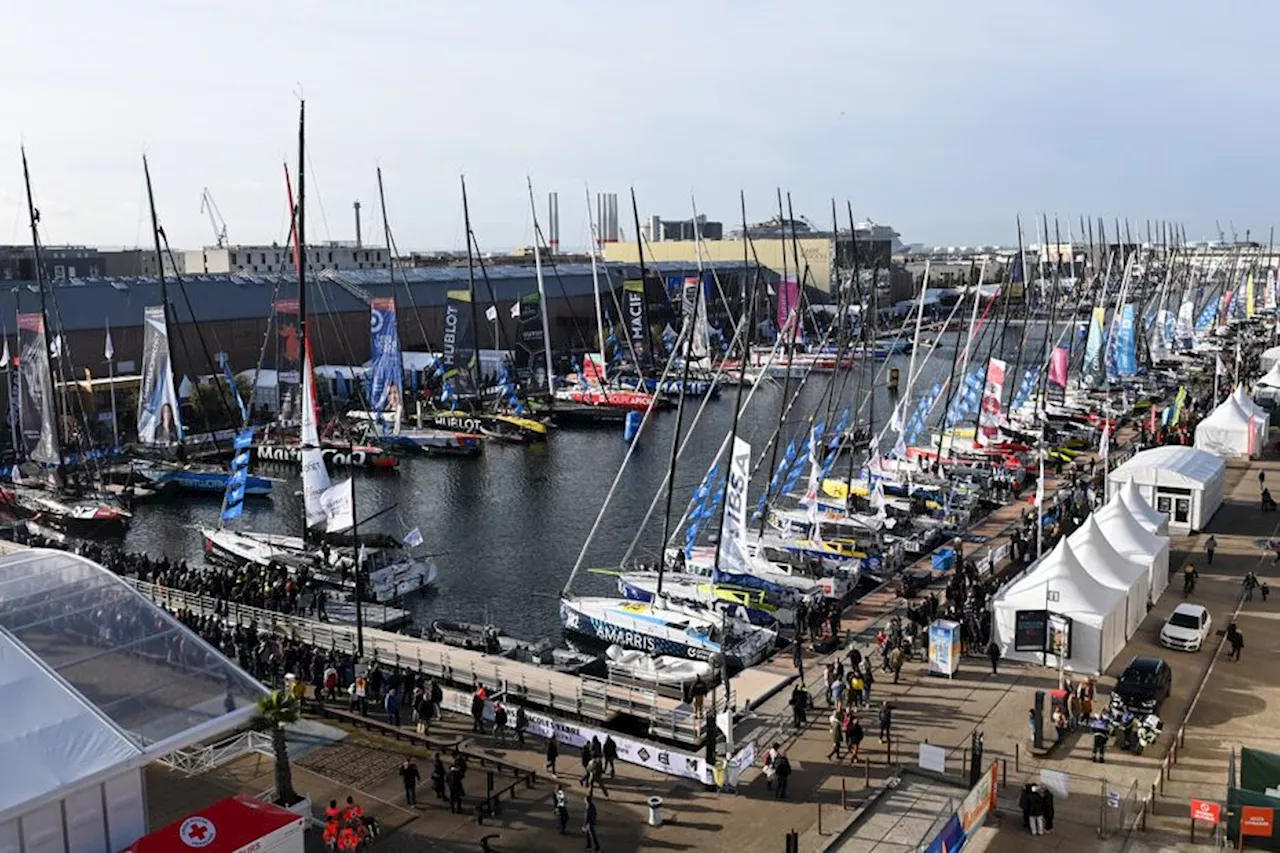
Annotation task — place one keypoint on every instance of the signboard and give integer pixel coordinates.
(944, 648)
(1056, 781)
(1113, 799)
(1059, 635)
(1256, 820)
(974, 808)
(1207, 811)
(1030, 630)
(933, 758)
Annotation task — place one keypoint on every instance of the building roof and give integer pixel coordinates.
(80, 304)
(1171, 465)
(96, 678)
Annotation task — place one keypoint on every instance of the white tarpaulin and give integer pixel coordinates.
(1228, 431)
(1184, 482)
(1059, 584)
(1261, 417)
(1127, 574)
(1143, 512)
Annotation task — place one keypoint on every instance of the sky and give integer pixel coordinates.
(943, 119)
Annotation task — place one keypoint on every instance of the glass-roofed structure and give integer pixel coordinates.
(97, 682)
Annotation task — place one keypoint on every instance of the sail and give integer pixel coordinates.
(693, 302)
(1184, 326)
(530, 341)
(1249, 295)
(159, 416)
(315, 478)
(288, 359)
(458, 354)
(633, 309)
(1094, 368)
(36, 408)
(733, 528)
(386, 369)
(1126, 353)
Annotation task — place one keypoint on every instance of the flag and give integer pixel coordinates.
(339, 504)
(1105, 442)
(4, 357)
(16, 476)
(361, 555)
(413, 538)
(109, 351)
(55, 349)
(1221, 369)
(515, 310)
(491, 313)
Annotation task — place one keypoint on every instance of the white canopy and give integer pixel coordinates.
(1261, 417)
(1186, 482)
(1269, 358)
(1228, 431)
(1115, 570)
(1060, 584)
(1131, 539)
(1144, 513)
(1271, 378)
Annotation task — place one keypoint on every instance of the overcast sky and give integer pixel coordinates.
(941, 118)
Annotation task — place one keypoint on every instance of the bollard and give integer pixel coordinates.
(1017, 749)
(844, 795)
(1004, 773)
(1182, 736)
(866, 770)
(820, 818)
(964, 763)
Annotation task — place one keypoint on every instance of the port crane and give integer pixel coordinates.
(219, 225)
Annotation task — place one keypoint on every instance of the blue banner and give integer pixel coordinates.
(235, 389)
(1126, 350)
(386, 370)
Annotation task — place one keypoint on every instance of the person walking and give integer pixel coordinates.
(589, 825)
(698, 692)
(868, 679)
(522, 723)
(799, 702)
(477, 711)
(784, 773)
(562, 808)
(409, 776)
(1035, 810)
(1210, 545)
(1236, 640)
(886, 721)
(500, 721)
(438, 778)
(797, 655)
(391, 704)
(595, 776)
(586, 764)
(895, 662)
(1100, 739)
(854, 734)
(770, 765)
(1250, 584)
(1264, 589)
(836, 724)
(455, 790)
(610, 755)
(553, 752)
(993, 655)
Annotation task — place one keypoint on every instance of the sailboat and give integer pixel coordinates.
(52, 502)
(392, 570)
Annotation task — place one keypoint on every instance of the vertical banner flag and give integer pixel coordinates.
(1058, 367)
(1126, 353)
(158, 412)
(1094, 367)
(789, 302)
(387, 370)
(459, 342)
(36, 412)
(992, 393)
(288, 358)
(733, 529)
(633, 309)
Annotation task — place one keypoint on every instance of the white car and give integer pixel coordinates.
(1186, 628)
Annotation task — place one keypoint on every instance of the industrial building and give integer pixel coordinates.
(17, 263)
(333, 255)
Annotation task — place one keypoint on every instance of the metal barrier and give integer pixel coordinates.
(1118, 811)
(590, 697)
(201, 759)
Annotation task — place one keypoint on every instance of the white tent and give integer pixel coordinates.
(1228, 431)
(1268, 386)
(1127, 535)
(1269, 358)
(1060, 585)
(1261, 417)
(1127, 574)
(1143, 512)
(1183, 482)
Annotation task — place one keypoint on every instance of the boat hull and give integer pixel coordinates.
(629, 635)
(207, 482)
(366, 456)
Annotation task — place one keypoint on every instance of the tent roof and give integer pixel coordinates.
(223, 827)
(1173, 464)
(1060, 571)
(1125, 533)
(1272, 377)
(1228, 415)
(1101, 559)
(1142, 512)
(1246, 403)
(95, 676)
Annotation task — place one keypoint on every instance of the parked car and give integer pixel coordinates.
(1187, 628)
(1143, 685)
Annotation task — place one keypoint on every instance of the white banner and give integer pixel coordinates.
(339, 504)
(733, 529)
(654, 757)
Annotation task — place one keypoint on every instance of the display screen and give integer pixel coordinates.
(1030, 630)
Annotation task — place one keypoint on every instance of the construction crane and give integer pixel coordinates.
(219, 225)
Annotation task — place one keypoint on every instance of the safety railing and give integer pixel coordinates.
(201, 759)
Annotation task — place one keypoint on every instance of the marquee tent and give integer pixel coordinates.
(236, 824)
(1269, 358)
(1143, 512)
(1127, 574)
(98, 682)
(1184, 482)
(1060, 585)
(1228, 431)
(1262, 418)
(1268, 386)
(1131, 539)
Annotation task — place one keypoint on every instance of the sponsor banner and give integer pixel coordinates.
(989, 419)
(387, 371)
(668, 761)
(159, 419)
(633, 309)
(458, 350)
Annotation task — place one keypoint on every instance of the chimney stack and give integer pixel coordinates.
(359, 242)
(553, 223)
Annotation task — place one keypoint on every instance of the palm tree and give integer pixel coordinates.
(275, 711)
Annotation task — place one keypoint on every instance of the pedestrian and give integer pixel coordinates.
(854, 735)
(422, 712)
(438, 777)
(799, 702)
(895, 662)
(455, 790)
(1035, 810)
(1236, 639)
(562, 808)
(589, 825)
(1100, 738)
(1264, 589)
(586, 764)
(829, 677)
(522, 723)
(392, 706)
(595, 776)
(1210, 545)
(699, 694)
(409, 776)
(477, 711)
(797, 655)
(836, 724)
(1262, 479)
(1250, 583)
(553, 752)
(868, 679)
(993, 654)
(500, 721)
(856, 684)
(886, 721)
(610, 755)
(784, 773)
(836, 694)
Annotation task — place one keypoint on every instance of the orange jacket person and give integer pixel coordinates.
(330, 833)
(332, 812)
(348, 840)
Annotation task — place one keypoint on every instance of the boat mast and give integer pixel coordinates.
(644, 288)
(391, 269)
(784, 329)
(300, 261)
(164, 284)
(595, 280)
(542, 295)
(471, 293)
(34, 216)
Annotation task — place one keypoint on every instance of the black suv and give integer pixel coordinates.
(1143, 685)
